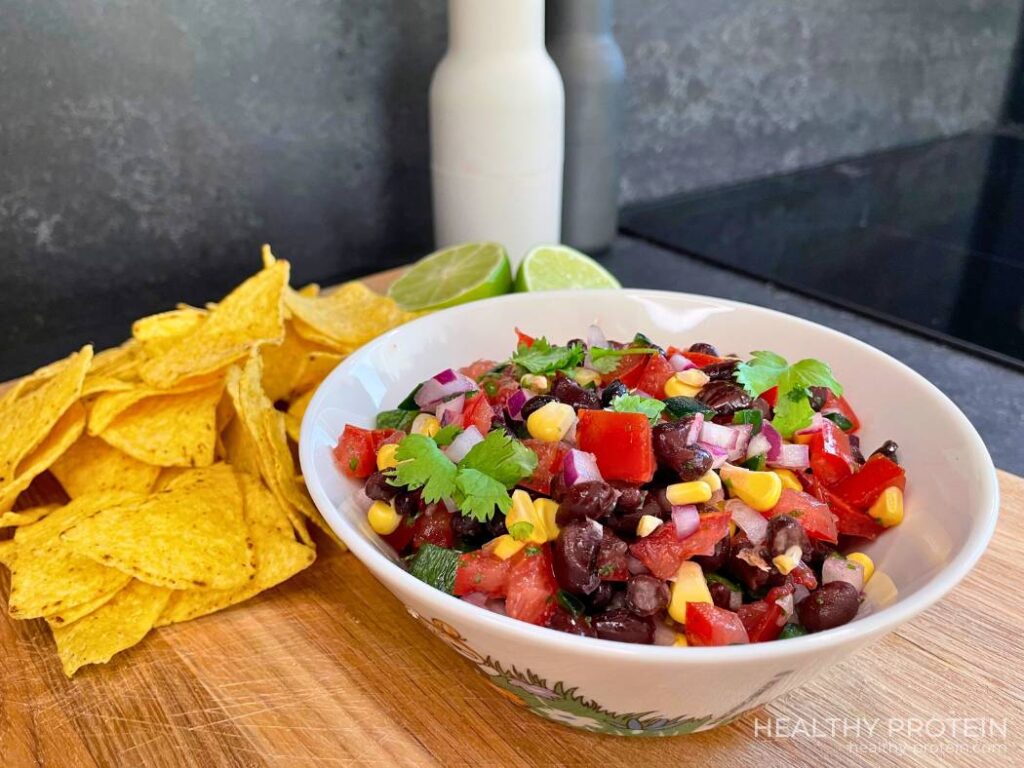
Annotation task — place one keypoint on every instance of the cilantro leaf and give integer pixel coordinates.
(477, 494)
(502, 457)
(761, 373)
(809, 373)
(648, 406)
(793, 408)
(446, 434)
(543, 357)
(792, 412)
(396, 419)
(604, 360)
(421, 464)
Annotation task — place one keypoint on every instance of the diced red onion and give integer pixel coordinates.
(686, 519)
(695, 426)
(663, 635)
(496, 605)
(735, 600)
(719, 456)
(800, 593)
(580, 467)
(774, 440)
(515, 403)
(749, 520)
(680, 363)
(792, 456)
(840, 569)
(448, 411)
(462, 444)
(717, 497)
(743, 432)
(758, 445)
(450, 505)
(443, 386)
(634, 566)
(718, 435)
(479, 599)
(596, 337)
(786, 604)
(641, 393)
(817, 420)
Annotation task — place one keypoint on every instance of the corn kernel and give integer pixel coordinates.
(383, 518)
(586, 377)
(694, 377)
(689, 587)
(888, 508)
(547, 511)
(788, 560)
(803, 439)
(693, 492)
(505, 546)
(425, 424)
(680, 640)
(789, 479)
(551, 422)
(758, 490)
(865, 562)
(674, 387)
(712, 479)
(732, 528)
(522, 520)
(647, 525)
(535, 383)
(386, 456)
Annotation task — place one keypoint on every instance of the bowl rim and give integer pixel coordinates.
(879, 622)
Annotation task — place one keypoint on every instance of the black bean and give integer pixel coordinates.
(535, 404)
(631, 497)
(467, 528)
(704, 349)
(830, 605)
(889, 449)
(613, 389)
(378, 488)
(718, 558)
(574, 556)
(784, 531)
(724, 396)
(625, 523)
(408, 503)
(723, 371)
(593, 499)
(496, 525)
(660, 495)
(690, 462)
(564, 621)
(576, 343)
(721, 595)
(761, 405)
(748, 564)
(818, 397)
(619, 624)
(646, 595)
(567, 391)
(855, 451)
(601, 597)
(558, 487)
(819, 551)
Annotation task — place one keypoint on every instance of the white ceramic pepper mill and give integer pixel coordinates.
(497, 124)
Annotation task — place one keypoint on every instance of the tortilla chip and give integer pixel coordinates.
(7, 550)
(27, 419)
(292, 428)
(278, 557)
(109, 405)
(345, 318)
(96, 385)
(68, 429)
(190, 535)
(251, 314)
(283, 364)
(293, 419)
(119, 624)
(315, 368)
(75, 612)
(118, 362)
(48, 576)
(92, 465)
(309, 290)
(177, 430)
(26, 516)
(158, 333)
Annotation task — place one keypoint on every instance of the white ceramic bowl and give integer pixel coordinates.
(952, 505)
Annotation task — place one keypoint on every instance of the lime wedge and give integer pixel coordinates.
(553, 267)
(453, 276)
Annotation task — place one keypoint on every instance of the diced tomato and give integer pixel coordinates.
(771, 396)
(849, 521)
(482, 572)
(831, 456)
(833, 403)
(549, 462)
(663, 551)
(356, 451)
(656, 372)
(814, 515)
(777, 593)
(620, 441)
(803, 574)
(524, 338)
(861, 489)
(763, 620)
(402, 535)
(611, 558)
(628, 371)
(498, 391)
(531, 585)
(478, 369)
(707, 624)
(434, 524)
(477, 413)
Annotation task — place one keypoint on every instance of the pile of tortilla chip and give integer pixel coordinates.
(178, 490)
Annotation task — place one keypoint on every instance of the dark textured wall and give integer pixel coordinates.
(148, 146)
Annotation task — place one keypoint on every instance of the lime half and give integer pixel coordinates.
(453, 276)
(553, 267)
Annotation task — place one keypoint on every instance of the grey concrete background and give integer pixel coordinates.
(148, 146)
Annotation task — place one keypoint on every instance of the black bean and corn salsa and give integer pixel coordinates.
(625, 491)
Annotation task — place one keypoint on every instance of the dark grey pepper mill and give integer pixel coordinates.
(579, 39)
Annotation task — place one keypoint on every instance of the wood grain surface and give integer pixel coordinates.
(329, 670)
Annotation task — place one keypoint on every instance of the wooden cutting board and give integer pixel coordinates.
(328, 669)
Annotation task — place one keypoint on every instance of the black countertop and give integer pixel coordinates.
(991, 395)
